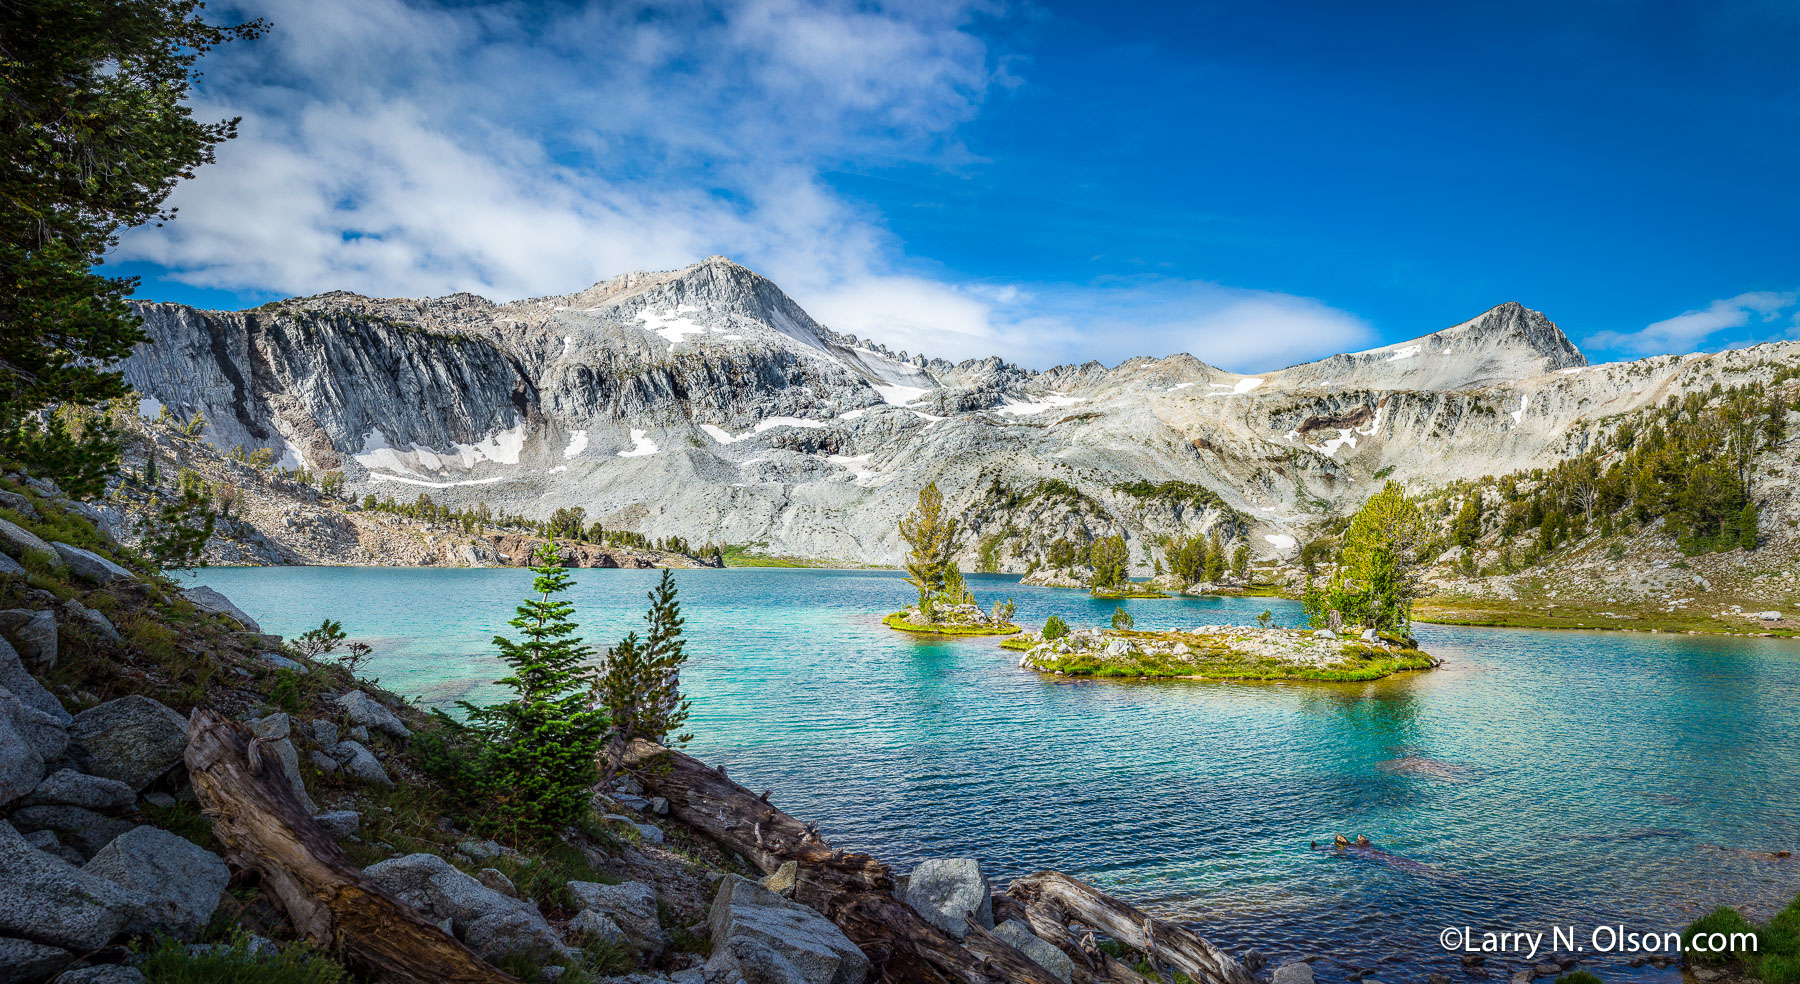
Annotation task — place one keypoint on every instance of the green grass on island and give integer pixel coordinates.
(1129, 590)
(1220, 653)
(898, 620)
(745, 555)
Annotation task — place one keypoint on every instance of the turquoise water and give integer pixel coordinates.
(1538, 779)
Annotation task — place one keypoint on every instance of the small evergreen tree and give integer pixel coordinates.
(1122, 620)
(1111, 560)
(175, 534)
(1215, 557)
(932, 536)
(1240, 559)
(1054, 628)
(538, 750)
(639, 684)
(1377, 579)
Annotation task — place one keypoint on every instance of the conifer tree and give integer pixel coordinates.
(639, 684)
(932, 536)
(538, 750)
(1112, 562)
(1215, 557)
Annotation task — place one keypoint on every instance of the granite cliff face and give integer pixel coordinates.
(704, 402)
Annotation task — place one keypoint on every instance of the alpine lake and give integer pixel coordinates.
(1537, 780)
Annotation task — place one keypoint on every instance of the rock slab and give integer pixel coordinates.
(182, 880)
(133, 739)
(492, 924)
(47, 900)
(759, 936)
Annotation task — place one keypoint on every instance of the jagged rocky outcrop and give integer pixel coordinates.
(706, 403)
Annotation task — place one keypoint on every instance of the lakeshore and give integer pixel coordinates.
(909, 746)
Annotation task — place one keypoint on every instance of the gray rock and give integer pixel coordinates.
(102, 974)
(339, 824)
(630, 801)
(588, 923)
(360, 732)
(1325, 634)
(324, 733)
(650, 833)
(1298, 972)
(364, 710)
(21, 765)
(492, 924)
(19, 504)
(481, 850)
(207, 599)
(11, 566)
(21, 539)
(631, 905)
(96, 622)
(66, 787)
(45, 840)
(90, 566)
(1045, 955)
(496, 879)
(48, 900)
(182, 880)
(760, 936)
(947, 890)
(276, 661)
(33, 635)
(362, 763)
(133, 739)
(16, 678)
(659, 805)
(83, 830)
(1369, 635)
(275, 743)
(322, 761)
(22, 961)
(47, 733)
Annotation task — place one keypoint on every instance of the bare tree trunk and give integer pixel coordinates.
(255, 814)
(854, 891)
(1163, 942)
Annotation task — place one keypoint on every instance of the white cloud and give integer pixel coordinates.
(1690, 330)
(1043, 325)
(403, 150)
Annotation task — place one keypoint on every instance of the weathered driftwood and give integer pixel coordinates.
(852, 890)
(256, 816)
(1063, 898)
(1050, 924)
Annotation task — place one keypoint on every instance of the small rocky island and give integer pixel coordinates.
(945, 606)
(965, 619)
(1218, 652)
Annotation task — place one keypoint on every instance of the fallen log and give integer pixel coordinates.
(264, 828)
(1163, 942)
(1051, 924)
(853, 890)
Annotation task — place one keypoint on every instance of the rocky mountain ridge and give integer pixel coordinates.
(705, 403)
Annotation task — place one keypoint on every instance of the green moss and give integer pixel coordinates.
(897, 620)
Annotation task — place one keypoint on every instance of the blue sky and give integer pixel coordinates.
(1255, 183)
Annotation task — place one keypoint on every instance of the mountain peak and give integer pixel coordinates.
(1515, 323)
